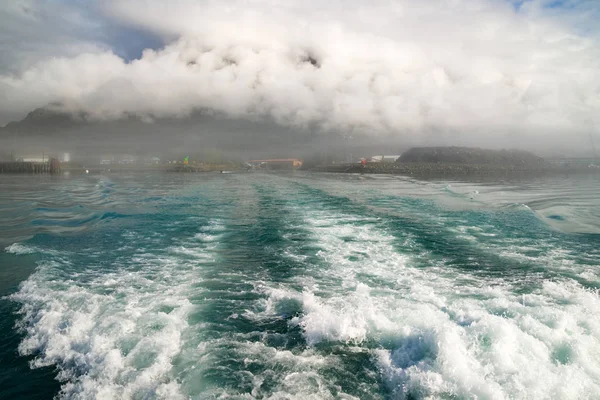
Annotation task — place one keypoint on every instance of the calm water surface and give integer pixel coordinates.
(298, 286)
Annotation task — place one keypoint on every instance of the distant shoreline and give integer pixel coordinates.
(412, 169)
(449, 169)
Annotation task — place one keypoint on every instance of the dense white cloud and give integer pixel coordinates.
(478, 68)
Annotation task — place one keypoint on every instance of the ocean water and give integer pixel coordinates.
(298, 286)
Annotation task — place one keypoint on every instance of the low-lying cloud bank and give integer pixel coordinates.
(476, 69)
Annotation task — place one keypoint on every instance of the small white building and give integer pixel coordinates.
(33, 158)
(384, 158)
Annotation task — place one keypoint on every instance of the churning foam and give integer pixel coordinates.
(439, 332)
(111, 338)
(112, 334)
(19, 249)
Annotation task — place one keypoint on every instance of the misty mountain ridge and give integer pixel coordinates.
(52, 129)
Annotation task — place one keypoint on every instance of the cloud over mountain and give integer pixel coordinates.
(477, 69)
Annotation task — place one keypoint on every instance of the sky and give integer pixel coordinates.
(501, 71)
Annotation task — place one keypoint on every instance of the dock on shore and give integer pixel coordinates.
(24, 167)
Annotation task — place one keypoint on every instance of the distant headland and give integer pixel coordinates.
(453, 160)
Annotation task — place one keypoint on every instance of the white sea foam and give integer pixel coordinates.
(296, 375)
(107, 345)
(112, 334)
(205, 237)
(438, 339)
(19, 249)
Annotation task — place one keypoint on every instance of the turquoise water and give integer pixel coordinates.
(298, 286)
